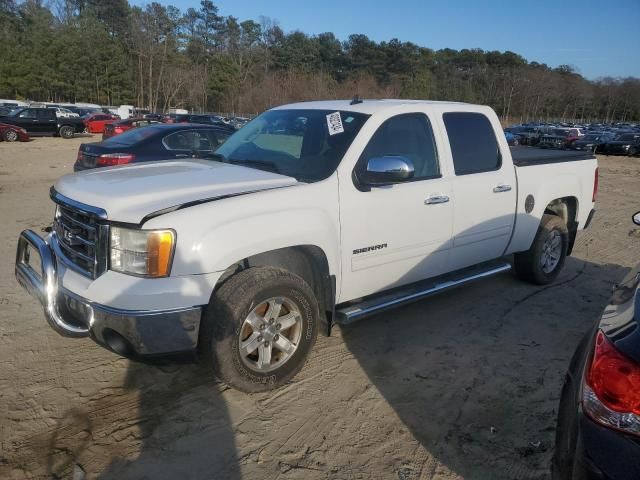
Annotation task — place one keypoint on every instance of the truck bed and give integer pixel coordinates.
(526, 156)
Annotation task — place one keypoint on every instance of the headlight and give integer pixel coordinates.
(146, 253)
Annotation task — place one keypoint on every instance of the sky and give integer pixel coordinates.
(599, 38)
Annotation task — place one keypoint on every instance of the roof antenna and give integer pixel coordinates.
(356, 100)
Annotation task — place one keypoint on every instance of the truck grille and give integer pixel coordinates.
(78, 236)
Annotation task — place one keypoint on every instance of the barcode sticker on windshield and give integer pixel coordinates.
(334, 122)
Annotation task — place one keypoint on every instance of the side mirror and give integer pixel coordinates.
(387, 170)
(636, 218)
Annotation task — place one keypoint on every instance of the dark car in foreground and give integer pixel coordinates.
(625, 144)
(43, 122)
(12, 133)
(598, 432)
(154, 142)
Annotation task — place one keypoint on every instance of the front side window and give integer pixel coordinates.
(473, 143)
(410, 136)
(305, 144)
(27, 114)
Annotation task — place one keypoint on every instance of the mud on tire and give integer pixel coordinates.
(246, 295)
(530, 265)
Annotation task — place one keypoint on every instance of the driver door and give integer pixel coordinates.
(396, 234)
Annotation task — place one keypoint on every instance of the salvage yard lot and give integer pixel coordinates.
(464, 385)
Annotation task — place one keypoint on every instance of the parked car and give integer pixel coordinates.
(12, 133)
(528, 135)
(206, 119)
(625, 144)
(95, 123)
(176, 118)
(512, 139)
(557, 138)
(4, 111)
(85, 112)
(121, 126)
(43, 121)
(248, 254)
(592, 142)
(598, 431)
(153, 142)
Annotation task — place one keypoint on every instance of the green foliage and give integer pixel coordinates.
(155, 56)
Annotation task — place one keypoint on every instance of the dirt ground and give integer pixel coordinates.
(464, 385)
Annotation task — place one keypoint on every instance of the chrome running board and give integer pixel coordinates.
(386, 300)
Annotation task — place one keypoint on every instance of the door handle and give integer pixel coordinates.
(435, 199)
(502, 188)
(182, 155)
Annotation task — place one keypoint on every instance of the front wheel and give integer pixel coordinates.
(67, 132)
(542, 263)
(11, 135)
(259, 328)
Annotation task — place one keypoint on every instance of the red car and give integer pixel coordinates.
(11, 133)
(116, 128)
(96, 122)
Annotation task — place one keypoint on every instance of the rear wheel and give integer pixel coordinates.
(259, 328)
(11, 135)
(67, 132)
(542, 263)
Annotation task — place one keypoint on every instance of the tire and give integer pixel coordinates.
(253, 294)
(11, 136)
(529, 265)
(67, 131)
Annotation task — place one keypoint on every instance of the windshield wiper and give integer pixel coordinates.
(260, 164)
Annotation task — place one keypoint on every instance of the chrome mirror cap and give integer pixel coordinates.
(387, 170)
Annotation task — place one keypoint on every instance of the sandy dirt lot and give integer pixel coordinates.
(464, 385)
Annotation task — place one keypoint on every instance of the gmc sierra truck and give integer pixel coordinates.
(312, 214)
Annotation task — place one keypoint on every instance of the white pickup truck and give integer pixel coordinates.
(313, 213)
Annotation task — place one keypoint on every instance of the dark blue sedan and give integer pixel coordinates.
(598, 433)
(154, 142)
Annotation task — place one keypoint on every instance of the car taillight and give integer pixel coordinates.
(79, 156)
(111, 159)
(596, 179)
(118, 130)
(611, 391)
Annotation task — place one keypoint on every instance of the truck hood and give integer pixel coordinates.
(130, 193)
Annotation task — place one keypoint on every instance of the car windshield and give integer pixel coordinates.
(305, 144)
(590, 137)
(133, 136)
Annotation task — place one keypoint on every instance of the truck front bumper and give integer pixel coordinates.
(126, 332)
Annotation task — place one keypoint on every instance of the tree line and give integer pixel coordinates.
(159, 57)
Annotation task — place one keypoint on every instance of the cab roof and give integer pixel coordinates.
(365, 106)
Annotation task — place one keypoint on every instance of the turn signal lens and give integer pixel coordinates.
(611, 394)
(596, 179)
(147, 253)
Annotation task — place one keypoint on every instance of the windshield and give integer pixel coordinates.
(305, 144)
(132, 136)
(590, 137)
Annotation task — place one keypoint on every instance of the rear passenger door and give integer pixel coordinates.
(484, 189)
(47, 120)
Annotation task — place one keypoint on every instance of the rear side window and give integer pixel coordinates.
(473, 142)
(410, 136)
